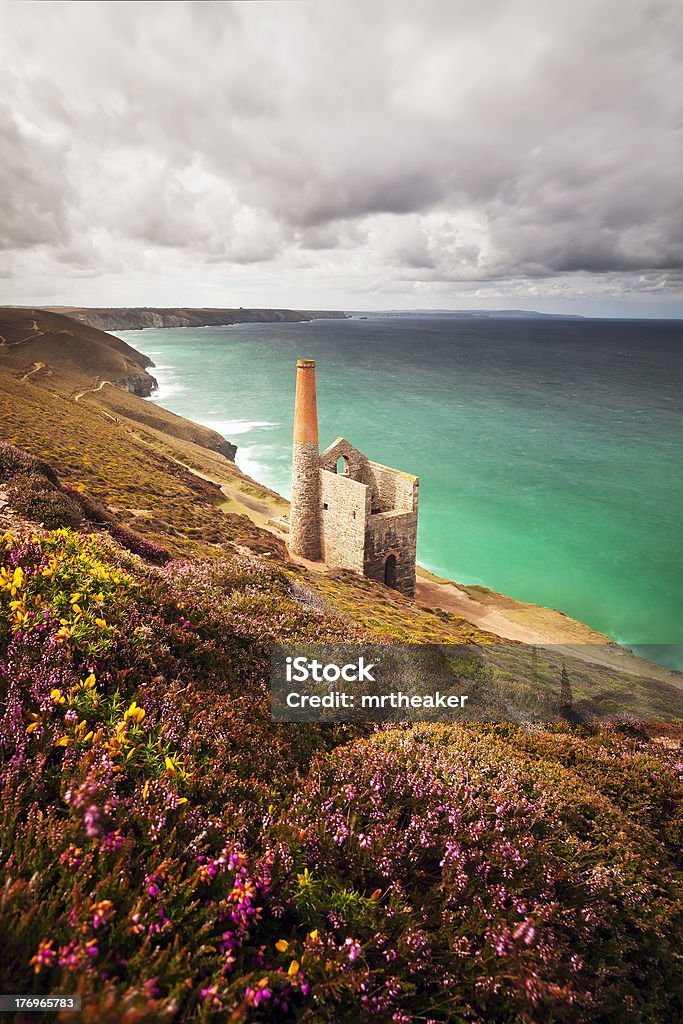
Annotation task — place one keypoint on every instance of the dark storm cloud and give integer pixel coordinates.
(32, 198)
(453, 142)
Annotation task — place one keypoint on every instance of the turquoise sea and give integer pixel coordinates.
(549, 450)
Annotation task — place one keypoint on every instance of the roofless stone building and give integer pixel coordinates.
(347, 510)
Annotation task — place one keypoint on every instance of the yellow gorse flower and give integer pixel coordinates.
(134, 713)
(13, 580)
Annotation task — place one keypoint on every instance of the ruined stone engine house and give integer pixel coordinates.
(347, 510)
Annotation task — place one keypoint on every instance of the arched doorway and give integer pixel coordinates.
(390, 566)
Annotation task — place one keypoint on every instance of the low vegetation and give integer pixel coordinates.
(171, 853)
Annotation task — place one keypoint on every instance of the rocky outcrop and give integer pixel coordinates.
(141, 384)
(138, 318)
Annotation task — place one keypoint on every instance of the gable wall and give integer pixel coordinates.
(343, 521)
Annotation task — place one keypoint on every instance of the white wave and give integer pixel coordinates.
(256, 461)
(169, 383)
(235, 427)
(165, 391)
(247, 460)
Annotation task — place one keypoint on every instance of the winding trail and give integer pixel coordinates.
(91, 391)
(227, 491)
(4, 343)
(29, 337)
(34, 369)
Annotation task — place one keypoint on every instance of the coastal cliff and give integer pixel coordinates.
(72, 350)
(138, 318)
(78, 406)
(91, 370)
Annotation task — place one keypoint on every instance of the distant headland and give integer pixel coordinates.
(139, 317)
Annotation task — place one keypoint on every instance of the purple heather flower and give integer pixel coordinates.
(526, 932)
(44, 957)
(209, 993)
(353, 948)
(91, 819)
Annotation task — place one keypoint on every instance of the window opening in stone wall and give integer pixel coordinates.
(390, 567)
(342, 467)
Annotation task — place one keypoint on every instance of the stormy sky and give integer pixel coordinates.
(337, 154)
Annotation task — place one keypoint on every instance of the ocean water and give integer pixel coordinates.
(549, 450)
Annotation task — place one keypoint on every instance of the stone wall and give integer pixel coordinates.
(344, 509)
(392, 533)
(355, 460)
(390, 488)
(358, 518)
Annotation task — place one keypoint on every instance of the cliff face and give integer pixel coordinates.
(138, 318)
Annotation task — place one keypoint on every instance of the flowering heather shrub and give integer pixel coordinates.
(15, 461)
(35, 492)
(138, 545)
(506, 894)
(33, 496)
(631, 771)
(172, 854)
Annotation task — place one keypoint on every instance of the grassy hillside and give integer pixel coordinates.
(171, 854)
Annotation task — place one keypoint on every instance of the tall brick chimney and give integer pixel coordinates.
(304, 517)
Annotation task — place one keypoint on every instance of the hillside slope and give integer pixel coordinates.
(37, 339)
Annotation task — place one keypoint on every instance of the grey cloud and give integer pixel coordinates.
(32, 197)
(453, 142)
